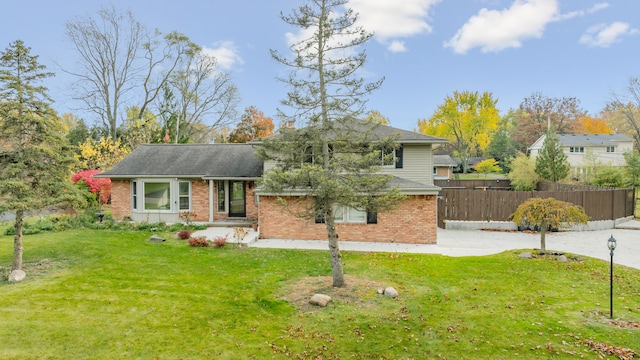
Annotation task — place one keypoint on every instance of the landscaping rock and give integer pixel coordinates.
(391, 292)
(43, 262)
(562, 258)
(320, 300)
(17, 275)
(156, 239)
(525, 255)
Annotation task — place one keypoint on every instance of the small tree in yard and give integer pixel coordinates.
(523, 175)
(34, 156)
(488, 166)
(551, 162)
(549, 213)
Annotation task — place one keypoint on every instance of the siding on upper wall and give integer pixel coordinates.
(417, 164)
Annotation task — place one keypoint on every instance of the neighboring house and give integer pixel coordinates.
(443, 166)
(587, 151)
(217, 182)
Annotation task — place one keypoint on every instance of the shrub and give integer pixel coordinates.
(220, 241)
(199, 241)
(101, 187)
(184, 234)
(187, 216)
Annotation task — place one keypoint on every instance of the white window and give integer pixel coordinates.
(388, 157)
(221, 195)
(346, 214)
(134, 195)
(611, 149)
(184, 195)
(157, 196)
(161, 195)
(576, 149)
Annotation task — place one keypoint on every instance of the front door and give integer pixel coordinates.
(237, 205)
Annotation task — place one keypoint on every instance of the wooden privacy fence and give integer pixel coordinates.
(498, 205)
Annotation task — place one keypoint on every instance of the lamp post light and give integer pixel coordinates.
(611, 244)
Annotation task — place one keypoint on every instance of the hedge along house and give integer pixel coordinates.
(161, 182)
(413, 221)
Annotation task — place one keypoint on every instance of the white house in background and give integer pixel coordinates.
(584, 151)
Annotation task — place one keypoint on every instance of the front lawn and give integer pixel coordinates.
(113, 295)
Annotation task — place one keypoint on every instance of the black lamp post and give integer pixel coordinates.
(611, 244)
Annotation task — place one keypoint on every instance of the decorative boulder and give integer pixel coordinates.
(156, 239)
(320, 300)
(525, 255)
(562, 258)
(391, 292)
(17, 275)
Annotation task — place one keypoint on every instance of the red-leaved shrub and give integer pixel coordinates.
(199, 241)
(99, 186)
(184, 234)
(220, 241)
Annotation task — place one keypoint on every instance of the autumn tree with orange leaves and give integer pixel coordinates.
(253, 125)
(590, 125)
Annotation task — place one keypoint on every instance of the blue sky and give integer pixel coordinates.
(426, 49)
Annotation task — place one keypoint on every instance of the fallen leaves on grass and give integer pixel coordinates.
(606, 349)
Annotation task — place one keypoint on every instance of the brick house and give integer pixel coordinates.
(217, 182)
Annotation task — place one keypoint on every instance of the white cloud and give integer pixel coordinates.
(595, 8)
(226, 54)
(397, 46)
(494, 30)
(388, 21)
(603, 35)
(393, 20)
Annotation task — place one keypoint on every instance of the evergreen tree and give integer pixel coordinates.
(34, 157)
(332, 160)
(551, 162)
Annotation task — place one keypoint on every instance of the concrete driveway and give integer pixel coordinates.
(479, 243)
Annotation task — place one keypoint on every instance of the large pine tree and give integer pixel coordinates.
(34, 156)
(333, 159)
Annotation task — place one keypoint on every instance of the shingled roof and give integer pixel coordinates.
(592, 139)
(380, 132)
(207, 161)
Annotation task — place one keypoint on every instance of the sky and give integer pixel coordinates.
(424, 49)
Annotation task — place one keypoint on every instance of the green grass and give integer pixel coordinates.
(113, 295)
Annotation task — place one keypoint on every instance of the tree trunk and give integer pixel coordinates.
(334, 250)
(543, 232)
(17, 241)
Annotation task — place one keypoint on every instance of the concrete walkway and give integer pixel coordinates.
(479, 243)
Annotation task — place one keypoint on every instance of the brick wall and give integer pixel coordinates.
(200, 199)
(413, 221)
(120, 199)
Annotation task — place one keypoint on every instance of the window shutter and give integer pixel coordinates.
(399, 157)
(372, 217)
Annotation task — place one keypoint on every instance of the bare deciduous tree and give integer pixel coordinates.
(121, 64)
